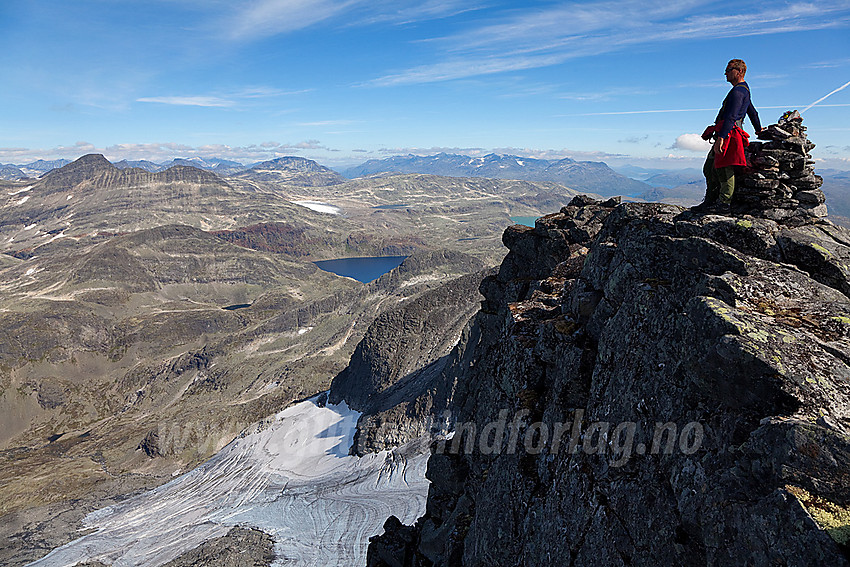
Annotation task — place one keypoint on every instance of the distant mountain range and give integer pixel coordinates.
(675, 178)
(33, 169)
(40, 167)
(683, 187)
(586, 176)
(220, 166)
(45, 165)
(11, 172)
(290, 169)
(91, 197)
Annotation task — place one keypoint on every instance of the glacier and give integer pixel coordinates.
(293, 479)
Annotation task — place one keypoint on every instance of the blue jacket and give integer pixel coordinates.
(737, 104)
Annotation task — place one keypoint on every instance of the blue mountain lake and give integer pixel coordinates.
(364, 269)
(527, 221)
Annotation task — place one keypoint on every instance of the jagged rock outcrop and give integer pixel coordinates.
(241, 547)
(648, 386)
(396, 375)
(404, 339)
(781, 184)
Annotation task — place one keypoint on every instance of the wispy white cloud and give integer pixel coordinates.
(634, 139)
(400, 12)
(607, 94)
(328, 123)
(220, 100)
(567, 31)
(259, 19)
(673, 110)
(262, 18)
(460, 68)
(207, 101)
(652, 111)
(829, 64)
(265, 92)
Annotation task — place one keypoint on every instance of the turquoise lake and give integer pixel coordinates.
(527, 221)
(364, 270)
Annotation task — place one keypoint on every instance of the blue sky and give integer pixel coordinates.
(343, 81)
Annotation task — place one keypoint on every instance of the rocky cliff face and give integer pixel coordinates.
(405, 339)
(648, 386)
(399, 375)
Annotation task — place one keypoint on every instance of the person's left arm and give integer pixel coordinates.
(753, 115)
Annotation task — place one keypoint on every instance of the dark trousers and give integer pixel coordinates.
(719, 182)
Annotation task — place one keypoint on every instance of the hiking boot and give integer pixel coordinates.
(720, 208)
(705, 205)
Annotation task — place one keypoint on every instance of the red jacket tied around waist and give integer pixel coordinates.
(733, 146)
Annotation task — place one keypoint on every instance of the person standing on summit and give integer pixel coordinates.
(730, 140)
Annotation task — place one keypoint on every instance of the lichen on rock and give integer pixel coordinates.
(831, 517)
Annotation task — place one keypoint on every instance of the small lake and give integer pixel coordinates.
(364, 270)
(527, 221)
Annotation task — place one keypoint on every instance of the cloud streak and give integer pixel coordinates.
(329, 123)
(672, 110)
(259, 19)
(826, 96)
(558, 34)
(205, 101)
(226, 100)
(263, 18)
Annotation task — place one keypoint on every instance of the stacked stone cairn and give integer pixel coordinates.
(780, 183)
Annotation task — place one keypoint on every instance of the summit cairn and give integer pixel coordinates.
(781, 184)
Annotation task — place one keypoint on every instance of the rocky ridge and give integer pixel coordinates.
(733, 330)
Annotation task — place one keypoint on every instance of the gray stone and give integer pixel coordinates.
(813, 197)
